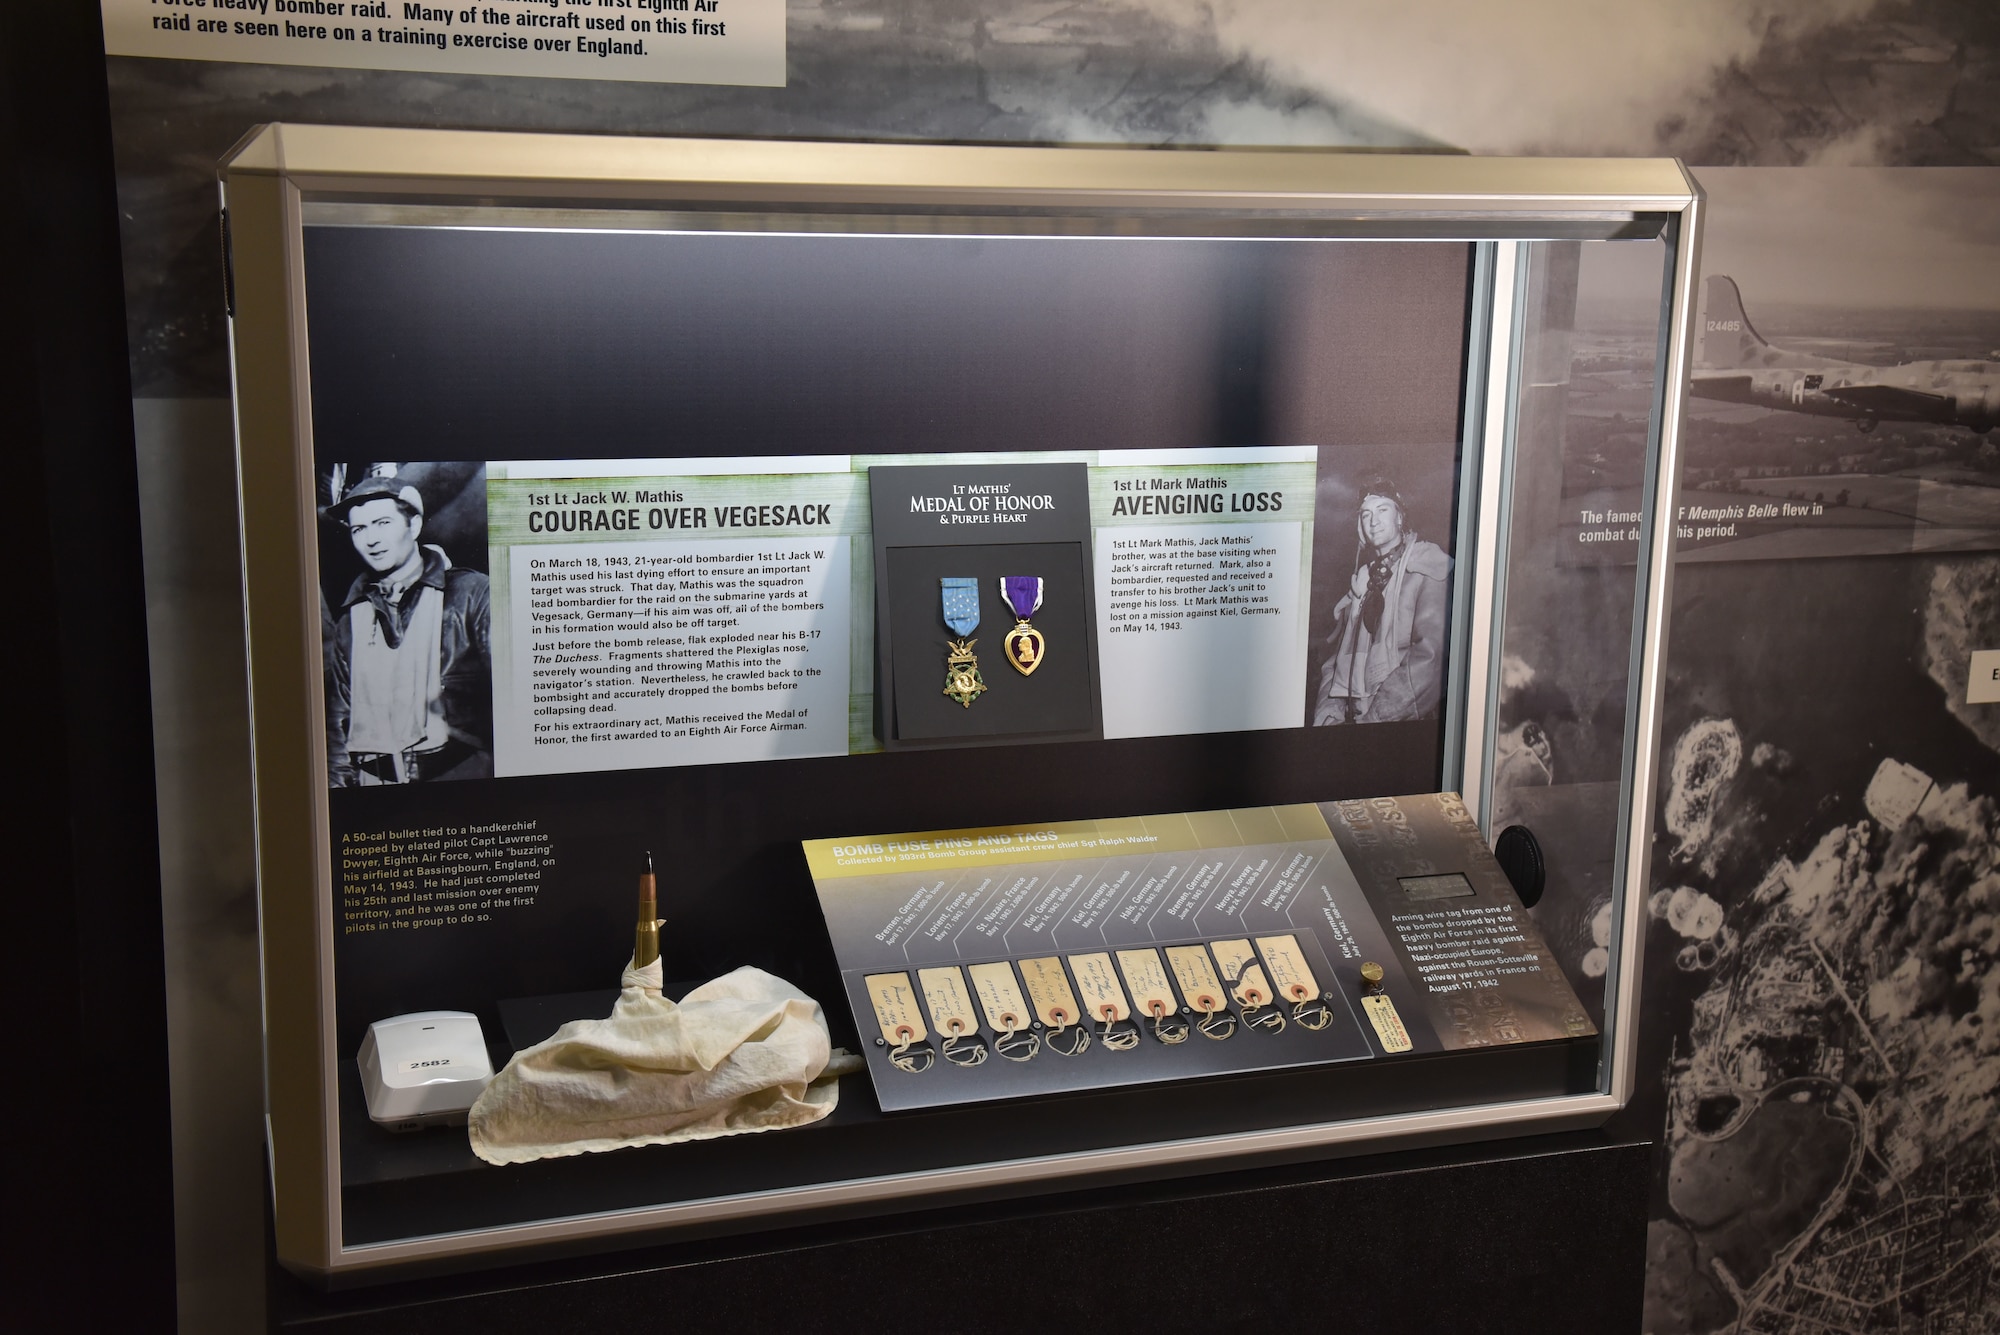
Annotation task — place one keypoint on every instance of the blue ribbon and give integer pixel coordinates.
(961, 605)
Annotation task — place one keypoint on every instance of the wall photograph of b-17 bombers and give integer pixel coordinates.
(1845, 383)
(1736, 364)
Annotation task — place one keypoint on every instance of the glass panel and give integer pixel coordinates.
(612, 434)
(1588, 366)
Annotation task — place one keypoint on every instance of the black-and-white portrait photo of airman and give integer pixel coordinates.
(406, 624)
(1382, 563)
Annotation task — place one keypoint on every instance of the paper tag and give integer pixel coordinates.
(1388, 1024)
(1055, 1003)
(1242, 972)
(1195, 972)
(999, 996)
(1098, 982)
(1146, 977)
(944, 993)
(895, 1004)
(1289, 970)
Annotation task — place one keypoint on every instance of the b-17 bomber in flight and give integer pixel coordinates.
(1735, 364)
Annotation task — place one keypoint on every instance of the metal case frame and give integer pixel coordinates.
(272, 179)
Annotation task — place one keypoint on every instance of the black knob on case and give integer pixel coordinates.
(1520, 856)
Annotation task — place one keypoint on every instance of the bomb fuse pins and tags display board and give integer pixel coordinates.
(1005, 962)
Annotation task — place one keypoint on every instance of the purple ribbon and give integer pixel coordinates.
(1023, 593)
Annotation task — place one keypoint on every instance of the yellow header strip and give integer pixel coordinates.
(995, 845)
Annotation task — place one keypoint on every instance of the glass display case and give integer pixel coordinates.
(1053, 646)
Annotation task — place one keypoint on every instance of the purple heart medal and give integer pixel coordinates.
(1023, 645)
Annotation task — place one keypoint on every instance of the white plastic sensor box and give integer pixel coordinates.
(424, 1069)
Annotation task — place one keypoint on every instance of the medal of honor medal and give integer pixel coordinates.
(1023, 645)
(963, 680)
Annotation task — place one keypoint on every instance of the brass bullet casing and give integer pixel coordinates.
(1371, 974)
(646, 938)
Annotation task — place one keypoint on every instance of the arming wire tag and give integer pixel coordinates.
(911, 1055)
(1295, 981)
(1217, 1020)
(1381, 1011)
(1017, 1044)
(1201, 989)
(951, 1014)
(1006, 1010)
(1168, 1027)
(1153, 993)
(1245, 976)
(961, 1048)
(1309, 1010)
(1065, 1039)
(1117, 1035)
(902, 1026)
(1055, 1005)
(1097, 980)
(1258, 1015)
